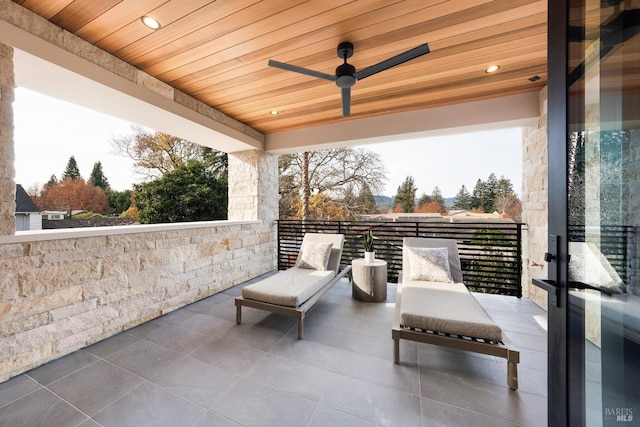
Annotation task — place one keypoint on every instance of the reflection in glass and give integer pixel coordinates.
(603, 181)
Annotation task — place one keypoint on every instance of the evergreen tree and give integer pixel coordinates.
(463, 199)
(425, 199)
(436, 196)
(119, 201)
(366, 201)
(405, 196)
(189, 192)
(504, 187)
(97, 177)
(52, 181)
(72, 172)
(483, 196)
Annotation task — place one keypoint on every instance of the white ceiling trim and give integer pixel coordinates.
(497, 113)
(51, 70)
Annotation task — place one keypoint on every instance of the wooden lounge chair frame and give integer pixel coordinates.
(299, 312)
(502, 349)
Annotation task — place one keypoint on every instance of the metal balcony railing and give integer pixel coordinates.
(490, 253)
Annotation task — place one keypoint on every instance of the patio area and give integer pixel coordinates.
(196, 367)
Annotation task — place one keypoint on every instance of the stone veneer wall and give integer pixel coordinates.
(59, 293)
(7, 186)
(63, 290)
(535, 209)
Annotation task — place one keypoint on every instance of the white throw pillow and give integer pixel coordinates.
(314, 255)
(429, 264)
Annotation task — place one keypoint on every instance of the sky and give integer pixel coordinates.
(49, 131)
(452, 161)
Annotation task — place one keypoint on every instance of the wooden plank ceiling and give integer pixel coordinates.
(217, 51)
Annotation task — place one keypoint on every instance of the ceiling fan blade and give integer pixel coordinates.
(346, 101)
(423, 49)
(301, 70)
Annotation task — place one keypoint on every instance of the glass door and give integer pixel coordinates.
(594, 184)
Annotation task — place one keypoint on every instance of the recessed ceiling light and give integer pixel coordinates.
(150, 22)
(492, 69)
(274, 112)
(534, 78)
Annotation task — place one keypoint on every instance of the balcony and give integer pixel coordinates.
(195, 366)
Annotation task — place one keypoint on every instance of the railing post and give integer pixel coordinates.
(278, 243)
(417, 229)
(519, 258)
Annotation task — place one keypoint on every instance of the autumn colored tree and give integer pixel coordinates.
(330, 172)
(155, 153)
(424, 199)
(432, 207)
(72, 194)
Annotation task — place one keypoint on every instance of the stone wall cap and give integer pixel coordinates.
(75, 233)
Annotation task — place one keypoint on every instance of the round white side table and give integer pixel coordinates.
(369, 280)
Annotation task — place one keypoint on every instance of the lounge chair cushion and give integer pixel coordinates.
(429, 264)
(314, 255)
(446, 307)
(289, 288)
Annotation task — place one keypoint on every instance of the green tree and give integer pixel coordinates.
(119, 201)
(424, 199)
(189, 192)
(71, 171)
(366, 201)
(485, 192)
(495, 270)
(463, 199)
(504, 187)
(52, 181)
(405, 196)
(98, 178)
(436, 195)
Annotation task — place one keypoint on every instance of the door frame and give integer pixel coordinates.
(557, 134)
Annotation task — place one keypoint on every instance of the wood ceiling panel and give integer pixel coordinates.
(46, 8)
(176, 20)
(80, 12)
(119, 16)
(246, 79)
(217, 51)
(245, 60)
(478, 52)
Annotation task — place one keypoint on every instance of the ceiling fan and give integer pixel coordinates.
(346, 74)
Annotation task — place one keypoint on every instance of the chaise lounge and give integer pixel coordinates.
(295, 291)
(434, 306)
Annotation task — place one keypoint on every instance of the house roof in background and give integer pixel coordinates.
(24, 204)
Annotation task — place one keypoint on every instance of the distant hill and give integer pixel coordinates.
(387, 202)
(383, 202)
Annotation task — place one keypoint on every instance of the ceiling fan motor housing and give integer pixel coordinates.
(345, 73)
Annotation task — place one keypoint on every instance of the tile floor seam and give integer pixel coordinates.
(470, 410)
(40, 387)
(70, 373)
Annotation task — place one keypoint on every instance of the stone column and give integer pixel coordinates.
(535, 204)
(253, 186)
(7, 171)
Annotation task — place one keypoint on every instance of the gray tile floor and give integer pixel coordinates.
(196, 367)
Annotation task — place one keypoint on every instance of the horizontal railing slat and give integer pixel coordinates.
(490, 253)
